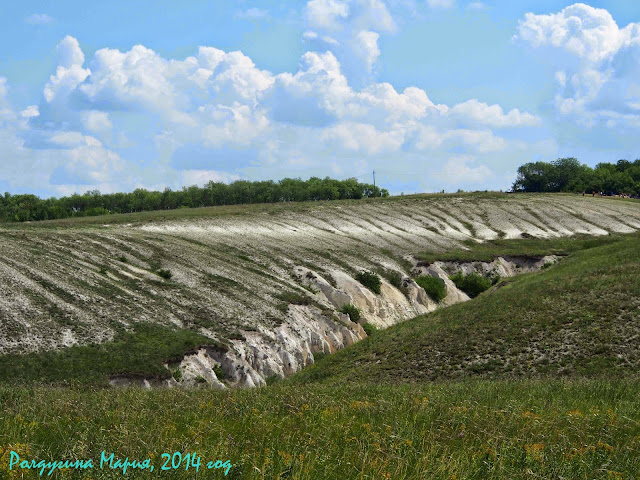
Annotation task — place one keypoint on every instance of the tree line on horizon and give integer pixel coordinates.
(28, 207)
(561, 175)
(569, 175)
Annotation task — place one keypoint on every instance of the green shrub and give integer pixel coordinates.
(103, 269)
(122, 258)
(352, 311)
(369, 280)
(369, 329)
(235, 335)
(164, 273)
(176, 373)
(220, 375)
(155, 262)
(310, 288)
(434, 287)
(472, 284)
(395, 279)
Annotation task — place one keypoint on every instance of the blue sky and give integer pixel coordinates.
(432, 94)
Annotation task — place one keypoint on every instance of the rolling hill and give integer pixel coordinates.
(231, 296)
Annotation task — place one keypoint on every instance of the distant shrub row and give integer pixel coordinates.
(472, 284)
(21, 208)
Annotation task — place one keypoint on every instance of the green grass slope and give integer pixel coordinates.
(140, 353)
(579, 317)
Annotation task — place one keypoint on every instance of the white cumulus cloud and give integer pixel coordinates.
(69, 52)
(366, 47)
(96, 121)
(457, 169)
(350, 28)
(493, 115)
(69, 73)
(217, 116)
(597, 61)
(326, 14)
(93, 163)
(202, 177)
(582, 30)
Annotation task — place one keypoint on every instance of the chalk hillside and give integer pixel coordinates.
(262, 286)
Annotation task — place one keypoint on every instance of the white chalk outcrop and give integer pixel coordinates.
(272, 353)
(310, 330)
(503, 267)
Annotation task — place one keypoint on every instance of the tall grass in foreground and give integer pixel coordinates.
(579, 429)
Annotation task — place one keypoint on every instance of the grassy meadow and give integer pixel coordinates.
(578, 429)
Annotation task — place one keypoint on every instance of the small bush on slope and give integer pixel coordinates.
(434, 287)
(369, 280)
(395, 279)
(352, 311)
(164, 273)
(292, 298)
(472, 284)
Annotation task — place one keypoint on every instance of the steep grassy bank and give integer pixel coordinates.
(481, 430)
(579, 317)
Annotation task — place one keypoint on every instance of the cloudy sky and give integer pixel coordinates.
(432, 94)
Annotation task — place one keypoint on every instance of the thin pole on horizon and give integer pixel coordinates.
(374, 183)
